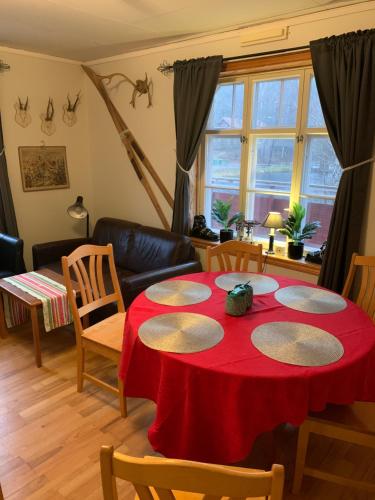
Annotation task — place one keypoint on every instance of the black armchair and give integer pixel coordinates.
(11, 256)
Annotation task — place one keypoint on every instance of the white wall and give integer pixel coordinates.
(41, 215)
(121, 194)
(98, 166)
(118, 191)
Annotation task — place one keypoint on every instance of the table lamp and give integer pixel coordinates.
(78, 211)
(274, 221)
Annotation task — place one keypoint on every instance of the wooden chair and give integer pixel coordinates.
(167, 479)
(366, 295)
(243, 252)
(349, 423)
(105, 337)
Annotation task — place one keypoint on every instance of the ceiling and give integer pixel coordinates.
(90, 29)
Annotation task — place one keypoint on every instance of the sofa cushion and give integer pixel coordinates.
(151, 248)
(118, 232)
(54, 266)
(122, 275)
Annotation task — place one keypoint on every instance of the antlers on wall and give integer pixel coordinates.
(140, 87)
(23, 106)
(50, 110)
(72, 106)
(69, 110)
(22, 117)
(48, 126)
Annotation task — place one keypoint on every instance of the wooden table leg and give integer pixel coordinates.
(3, 328)
(36, 335)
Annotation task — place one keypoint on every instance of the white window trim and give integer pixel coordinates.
(301, 129)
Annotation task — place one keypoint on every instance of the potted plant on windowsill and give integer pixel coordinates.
(296, 233)
(220, 213)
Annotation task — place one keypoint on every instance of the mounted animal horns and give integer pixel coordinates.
(72, 106)
(50, 110)
(23, 106)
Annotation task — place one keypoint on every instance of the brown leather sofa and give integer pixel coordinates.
(143, 255)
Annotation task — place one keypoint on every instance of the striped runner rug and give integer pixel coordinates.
(56, 310)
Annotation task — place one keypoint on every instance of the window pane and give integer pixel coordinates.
(318, 210)
(229, 196)
(315, 116)
(223, 161)
(227, 108)
(273, 164)
(275, 103)
(321, 170)
(258, 206)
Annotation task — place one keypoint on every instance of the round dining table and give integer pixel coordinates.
(212, 405)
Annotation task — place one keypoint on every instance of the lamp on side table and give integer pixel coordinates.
(274, 221)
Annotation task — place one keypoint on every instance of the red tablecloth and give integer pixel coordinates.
(213, 404)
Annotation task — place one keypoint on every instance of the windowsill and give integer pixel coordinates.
(274, 259)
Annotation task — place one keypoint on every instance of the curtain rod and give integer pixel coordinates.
(166, 67)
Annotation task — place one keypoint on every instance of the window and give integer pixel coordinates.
(266, 146)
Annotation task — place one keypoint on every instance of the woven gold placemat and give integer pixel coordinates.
(297, 343)
(310, 300)
(178, 293)
(181, 332)
(261, 284)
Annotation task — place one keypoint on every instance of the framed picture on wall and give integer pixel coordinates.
(43, 167)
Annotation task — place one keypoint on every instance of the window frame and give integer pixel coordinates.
(305, 74)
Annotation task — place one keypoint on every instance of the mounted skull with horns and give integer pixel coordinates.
(48, 126)
(69, 110)
(140, 87)
(22, 117)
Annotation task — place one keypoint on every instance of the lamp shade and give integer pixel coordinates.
(273, 220)
(77, 210)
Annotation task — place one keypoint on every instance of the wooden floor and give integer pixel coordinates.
(51, 435)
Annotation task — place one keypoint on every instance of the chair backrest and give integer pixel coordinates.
(164, 475)
(365, 297)
(87, 264)
(242, 251)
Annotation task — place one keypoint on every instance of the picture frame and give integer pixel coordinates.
(43, 167)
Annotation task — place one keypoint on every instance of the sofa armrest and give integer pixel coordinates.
(11, 254)
(46, 253)
(131, 286)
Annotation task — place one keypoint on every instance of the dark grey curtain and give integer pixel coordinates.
(344, 68)
(194, 88)
(8, 223)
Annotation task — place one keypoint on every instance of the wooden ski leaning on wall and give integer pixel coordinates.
(133, 149)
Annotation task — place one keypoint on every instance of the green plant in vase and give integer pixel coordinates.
(296, 233)
(220, 213)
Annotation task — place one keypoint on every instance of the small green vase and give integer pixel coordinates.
(239, 300)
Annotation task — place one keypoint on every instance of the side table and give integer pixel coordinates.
(32, 304)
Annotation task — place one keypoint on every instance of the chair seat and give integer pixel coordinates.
(108, 332)
(358, 416)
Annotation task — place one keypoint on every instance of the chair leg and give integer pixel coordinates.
(122, 399)
(3, 327)
(80, 368)
(303, 440)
